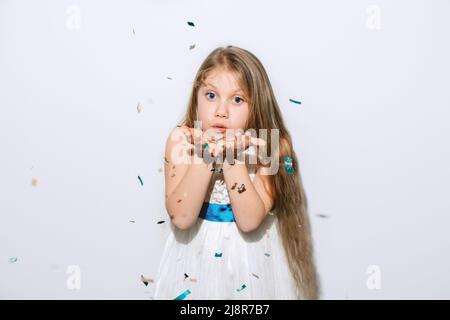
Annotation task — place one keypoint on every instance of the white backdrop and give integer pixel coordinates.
(371, 135)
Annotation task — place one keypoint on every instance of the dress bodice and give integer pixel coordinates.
(217, 189)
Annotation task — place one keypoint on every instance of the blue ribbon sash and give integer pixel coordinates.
(217, 212)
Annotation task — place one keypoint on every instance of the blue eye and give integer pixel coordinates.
(208, 94)
(238, 102)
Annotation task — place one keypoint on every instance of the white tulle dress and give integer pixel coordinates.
(215, 260)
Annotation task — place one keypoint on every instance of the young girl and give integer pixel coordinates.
(236, 231)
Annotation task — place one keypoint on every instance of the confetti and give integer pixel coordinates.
(193, 280)
(183, 295)
(288, 165)
(160, 170)
(321, 215)
(34, 182)
(295, 101)
(179, 200)
(132, 221)
(146, 280)
(234, 186)
(242, 288)
(169, 78)
(185, 276)
(267, 254)
(218, 255)
(162, 221)
(192, 46)
(142, 183)
(190, 24)
(133, 31)
(220, 170)
(139, 108)
(241, 188)
(13, 259)
(255, 276)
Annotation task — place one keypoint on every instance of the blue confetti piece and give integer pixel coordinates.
(295, 101)
(13, 259)
(242, 288)
(191, 24)
(142, 183)
(288, 165)
(183, 295)
(218, 255)
(267, 254)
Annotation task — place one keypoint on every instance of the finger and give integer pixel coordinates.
(186, 133)
(247, 139)
(258, 141)
(243, 141)
(238, 138)
(197, 135)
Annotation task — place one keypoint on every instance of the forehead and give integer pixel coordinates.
(222, 79)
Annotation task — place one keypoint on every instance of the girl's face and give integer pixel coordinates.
(221, 102)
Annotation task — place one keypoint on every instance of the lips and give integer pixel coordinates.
(219, 127)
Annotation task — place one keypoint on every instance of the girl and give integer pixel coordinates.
(236, 232)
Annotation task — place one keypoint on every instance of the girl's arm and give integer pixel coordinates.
(186, 180)
(252, 205)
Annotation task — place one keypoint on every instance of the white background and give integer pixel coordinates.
(371, 135)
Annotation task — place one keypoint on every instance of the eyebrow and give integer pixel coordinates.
(210, 84)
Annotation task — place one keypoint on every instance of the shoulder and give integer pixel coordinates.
(177, 136)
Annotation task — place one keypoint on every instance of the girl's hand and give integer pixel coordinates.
(217, 142)
(207, 139)
(239, 143)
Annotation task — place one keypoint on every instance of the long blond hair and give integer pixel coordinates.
(290, 202)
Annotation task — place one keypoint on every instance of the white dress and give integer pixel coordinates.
(215, 260)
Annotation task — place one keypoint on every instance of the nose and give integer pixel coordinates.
(222, 110)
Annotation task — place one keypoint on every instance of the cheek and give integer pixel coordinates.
(240, 117)
(204, 110)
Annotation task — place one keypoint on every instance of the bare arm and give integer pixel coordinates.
(186, 179)
(250, 201)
